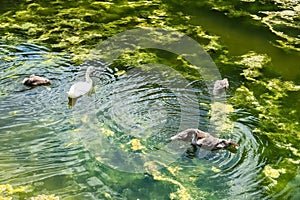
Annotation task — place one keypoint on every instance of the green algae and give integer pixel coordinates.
(78, 27)
(252, 63)
(186, 185)
(281, 17)
(45, 197)
(8, 189)
(263, 97)
(8, 192)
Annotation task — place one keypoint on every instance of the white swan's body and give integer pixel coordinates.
(81, 88)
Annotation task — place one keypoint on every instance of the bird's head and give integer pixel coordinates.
(90, 69)
(230, 145)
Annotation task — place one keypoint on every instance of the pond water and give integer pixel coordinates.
(113, 143)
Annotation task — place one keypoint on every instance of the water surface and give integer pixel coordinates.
(114, 142)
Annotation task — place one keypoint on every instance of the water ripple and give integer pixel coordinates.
(36, 123)
(73, 151)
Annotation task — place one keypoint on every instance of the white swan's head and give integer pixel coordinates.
(89, 70)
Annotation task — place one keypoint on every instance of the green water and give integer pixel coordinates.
(114, 142)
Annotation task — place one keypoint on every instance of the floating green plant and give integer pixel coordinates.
(78, 27)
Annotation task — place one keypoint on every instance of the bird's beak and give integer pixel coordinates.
(235, 144)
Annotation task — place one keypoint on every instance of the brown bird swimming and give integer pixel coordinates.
(220, 86)
(34, 80)
(203, 140)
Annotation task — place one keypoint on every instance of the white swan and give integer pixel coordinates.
(81, 88)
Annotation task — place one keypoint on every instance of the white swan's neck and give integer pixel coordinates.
(87, 75)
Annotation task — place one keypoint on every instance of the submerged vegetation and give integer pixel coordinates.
(264, 98)
(281, 17)
(74, 28)
(77, 27)
(7, 192)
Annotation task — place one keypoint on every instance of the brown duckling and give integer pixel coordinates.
(220, 86)
(203, 140)
(34, 80)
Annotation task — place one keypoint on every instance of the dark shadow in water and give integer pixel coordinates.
(196, 152)
(72, 102)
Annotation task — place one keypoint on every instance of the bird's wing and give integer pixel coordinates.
(80, 88)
